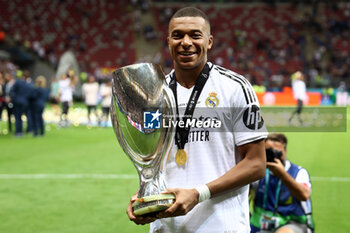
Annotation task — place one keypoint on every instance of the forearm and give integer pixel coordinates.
(251, 168)
(298, 190)
(242, 174)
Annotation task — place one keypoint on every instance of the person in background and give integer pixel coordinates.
(2, 94)
(26, 77)
(106, 94)
(21, 94)
(299, 91)
(9, 82)
(282, 201)
(90, 93)
(66, 87)
(41, 95)
(54, 97)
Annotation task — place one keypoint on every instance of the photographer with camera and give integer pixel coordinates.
(282, 201)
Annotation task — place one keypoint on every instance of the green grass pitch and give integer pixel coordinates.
(38, 203)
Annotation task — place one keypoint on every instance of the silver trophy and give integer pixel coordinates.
(138, 90)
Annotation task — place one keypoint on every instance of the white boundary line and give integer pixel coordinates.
(330, 179)
(124, 177)
(68, 176)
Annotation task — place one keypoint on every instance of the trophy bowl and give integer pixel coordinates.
(141, 99)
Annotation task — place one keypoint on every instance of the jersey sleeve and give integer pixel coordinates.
(303, 178)
(249, 124)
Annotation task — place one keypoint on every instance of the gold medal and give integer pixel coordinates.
(181, 157)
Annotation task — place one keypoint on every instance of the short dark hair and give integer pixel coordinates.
(278, 137)
(191, 12)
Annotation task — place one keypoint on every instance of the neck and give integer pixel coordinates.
(188, 78)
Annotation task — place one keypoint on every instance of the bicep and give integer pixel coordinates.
(252, 150)
(254, 154)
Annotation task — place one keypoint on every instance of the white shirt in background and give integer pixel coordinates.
(90, 92)
(299, 89)
(65, 90)
(106, 94)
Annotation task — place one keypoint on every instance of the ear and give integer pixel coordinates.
(210, 44)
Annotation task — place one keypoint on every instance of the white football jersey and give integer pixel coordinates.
(299, 89)
(90, 92)
(66, 91)
(229, 97)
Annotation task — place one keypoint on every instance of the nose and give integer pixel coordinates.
(186, 41)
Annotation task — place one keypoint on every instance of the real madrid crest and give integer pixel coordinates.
(212, 101)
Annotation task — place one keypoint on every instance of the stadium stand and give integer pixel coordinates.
(99, 31)
(265, 42)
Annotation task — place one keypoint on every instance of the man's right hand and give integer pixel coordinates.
(139, 220)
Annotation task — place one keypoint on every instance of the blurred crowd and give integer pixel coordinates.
(23, 99)
(267, 43)
(96, 31)
(264, 42)
(22, 96)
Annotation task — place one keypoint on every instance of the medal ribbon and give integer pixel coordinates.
(278, 189)
(181, 135)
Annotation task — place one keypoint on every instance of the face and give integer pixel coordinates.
(71, 73)
(277, 146)
(189, 41)
(8, 77)
(91, 79)
(300, 76)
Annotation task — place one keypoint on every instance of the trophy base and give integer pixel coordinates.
(152, 204)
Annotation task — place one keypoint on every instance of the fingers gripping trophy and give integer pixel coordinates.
(140, 92)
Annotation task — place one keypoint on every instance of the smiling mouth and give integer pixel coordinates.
(186, 53)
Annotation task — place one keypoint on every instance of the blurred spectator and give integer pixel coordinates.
(20, 95)
(327, 96)
(299, 91)
(66, 87)
(342, 95)
(106, 94)
(90, 93)
(2, 94)
(9, 82)
(28, 79)
(54, 97)
(41, 95)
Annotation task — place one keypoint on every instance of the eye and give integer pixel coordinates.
(176, 35)
(196, 36)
